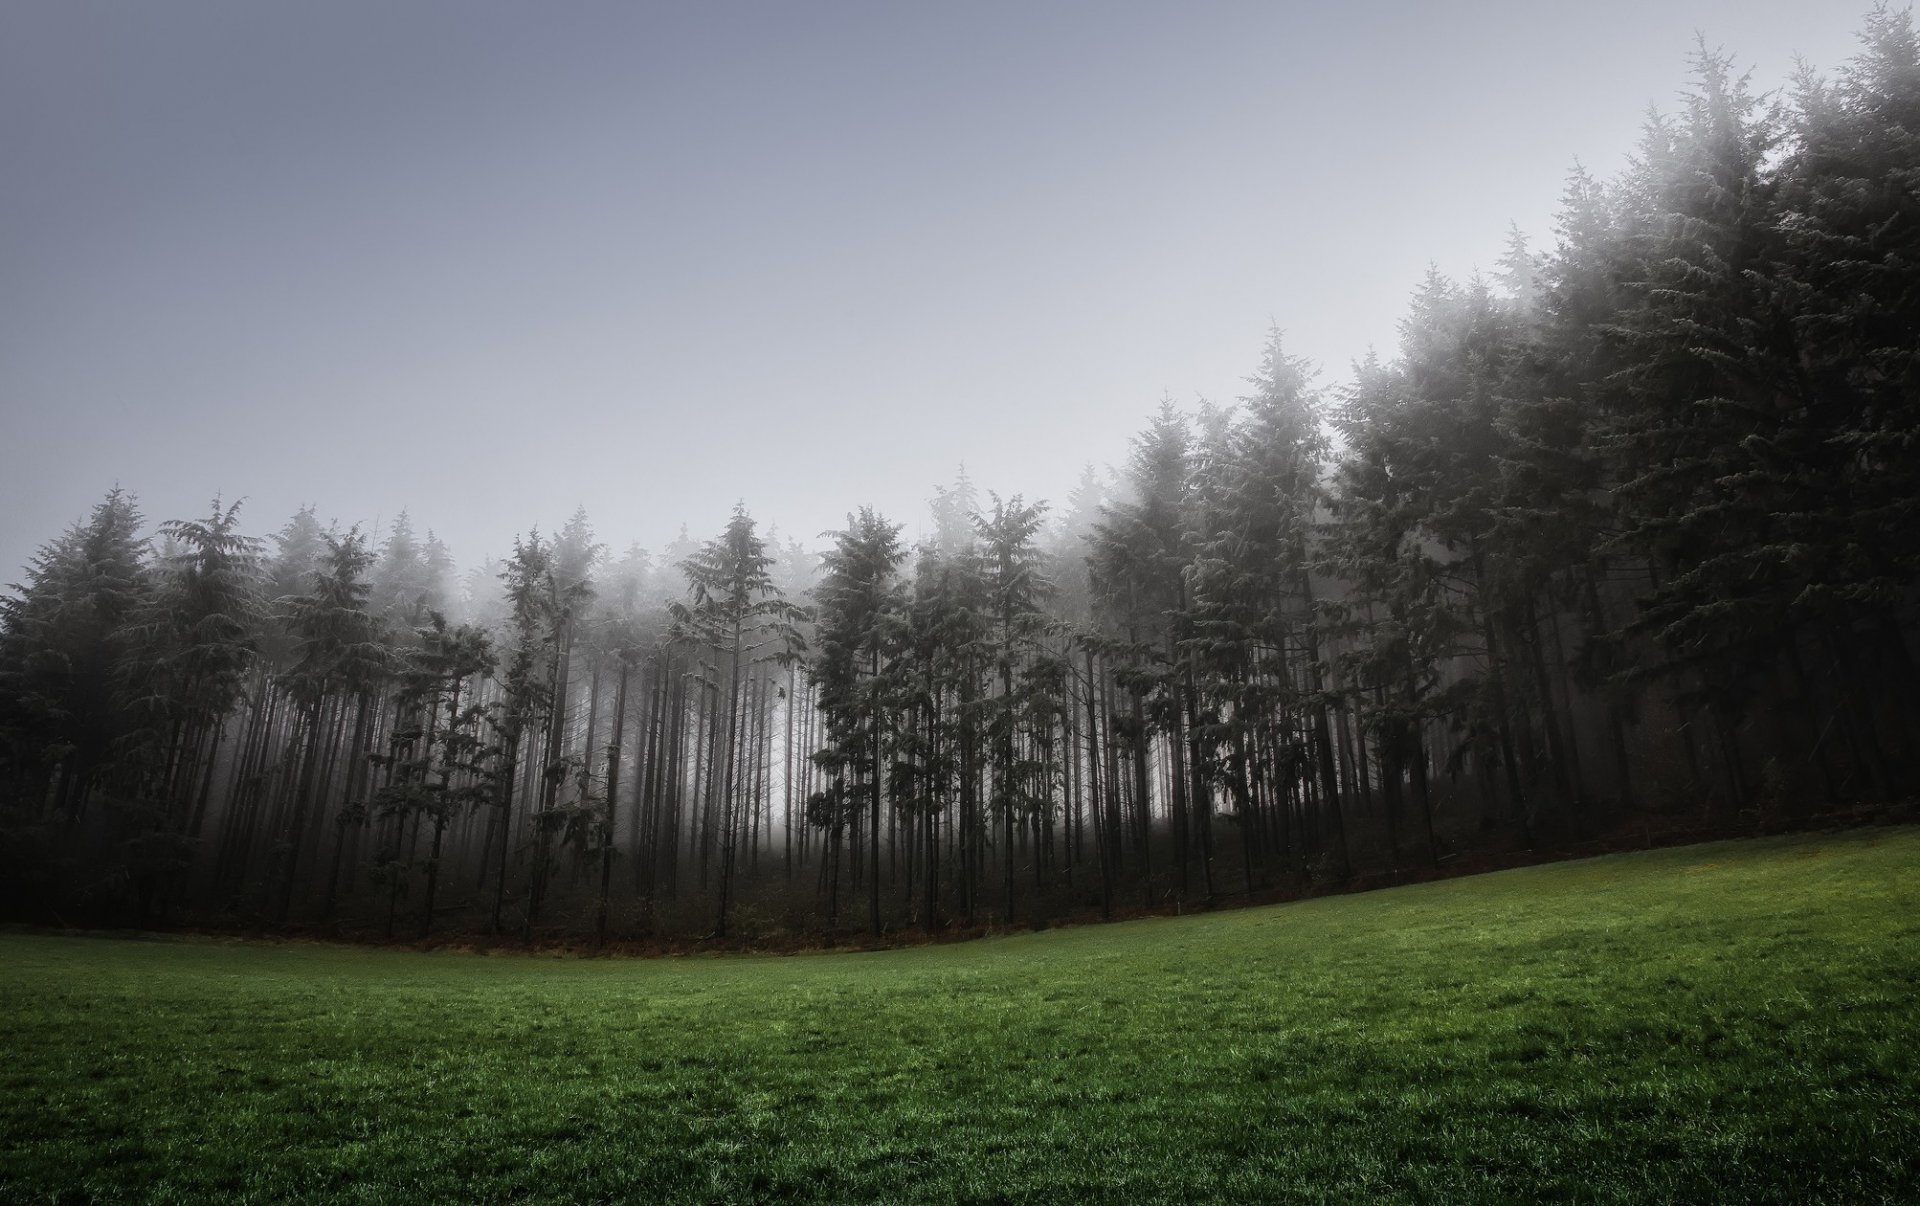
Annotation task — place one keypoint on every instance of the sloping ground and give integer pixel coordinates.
(1737, 1021)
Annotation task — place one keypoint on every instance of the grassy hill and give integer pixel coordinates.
(1737, 1021)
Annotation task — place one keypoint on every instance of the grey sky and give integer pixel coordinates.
(490, 261)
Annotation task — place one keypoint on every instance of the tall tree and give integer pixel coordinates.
(63, 648)
(737, 613)
(196, 635)
(1017, 592)
(858, 601)
(343, 660)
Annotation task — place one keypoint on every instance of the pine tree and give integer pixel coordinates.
(193, 640)
(1017, 592)
(737, 614)
(63, 651)
(440, 763)
(1140, 554)
(1850, 200)
(857, 606)
(1716, 469)
(527, 696)
(1253, 642)
(401, 582)
(343, 660)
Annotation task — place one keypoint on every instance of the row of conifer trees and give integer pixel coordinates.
(1626, 532)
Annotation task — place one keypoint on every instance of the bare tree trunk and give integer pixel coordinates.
(614, 740)
(727, 810)
(303, 801)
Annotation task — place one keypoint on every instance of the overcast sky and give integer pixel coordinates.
(491, 261)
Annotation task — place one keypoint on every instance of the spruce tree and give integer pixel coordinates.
(737, 615)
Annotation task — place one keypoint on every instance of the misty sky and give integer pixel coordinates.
(490, 261)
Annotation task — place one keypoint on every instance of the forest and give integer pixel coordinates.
(1621, 539)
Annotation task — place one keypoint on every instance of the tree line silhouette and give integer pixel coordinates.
(1626, 531)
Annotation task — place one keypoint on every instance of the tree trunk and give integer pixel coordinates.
(614, 740)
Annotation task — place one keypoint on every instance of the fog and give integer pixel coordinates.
(489, 263)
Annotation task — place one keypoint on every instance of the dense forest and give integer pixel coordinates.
(1623, 533)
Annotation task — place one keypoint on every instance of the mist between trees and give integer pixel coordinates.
(1624, 535)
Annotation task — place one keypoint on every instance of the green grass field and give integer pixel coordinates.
(1736, 1022)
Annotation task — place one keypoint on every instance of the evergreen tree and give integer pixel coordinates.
(64, 648)
(527, 696)
(857, 606)
(193, 640)
(440, 763)
(343, 660)
(736, 613)
(1850, 200)
(402, 587)
(1020, 714)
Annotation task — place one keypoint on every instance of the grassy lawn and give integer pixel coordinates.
(1738, 1021)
